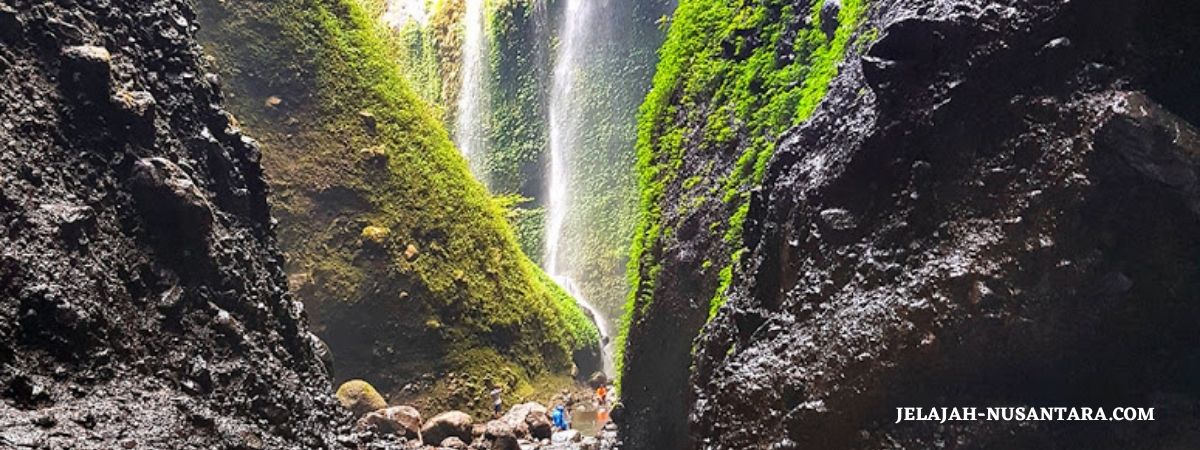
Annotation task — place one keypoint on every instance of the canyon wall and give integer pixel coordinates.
(142, 297)
(732, 77)
(406, 264)
(993, 204)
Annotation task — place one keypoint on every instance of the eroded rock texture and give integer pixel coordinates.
(996, 205)
(142, 301)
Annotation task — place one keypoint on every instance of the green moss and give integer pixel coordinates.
(359, 397)
(331, 61)
(580, 330)
(419, 58)
(338, 275)
(720, 72)
(529, 222)
(375, 234)
(517, 69)
(446, 31)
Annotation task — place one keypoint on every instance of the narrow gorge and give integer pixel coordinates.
(599, 224)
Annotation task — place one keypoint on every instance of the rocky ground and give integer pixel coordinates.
(996, 205)
(525, 426)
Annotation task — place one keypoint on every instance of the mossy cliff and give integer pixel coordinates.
(421, 58)
(731, 78)
(519, 69)
(995, 203)
(613, 77)
(406, 264)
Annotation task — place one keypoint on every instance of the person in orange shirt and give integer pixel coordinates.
(602, 394)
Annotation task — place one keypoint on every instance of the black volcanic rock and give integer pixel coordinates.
(142, 301)
(1022, 183)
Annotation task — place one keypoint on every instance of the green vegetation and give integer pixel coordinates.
(420, 62)
(445, 28)
(449, 267)
(619, 64)
(528, 221)
(516, 133)
(518, 60)
(721, 73)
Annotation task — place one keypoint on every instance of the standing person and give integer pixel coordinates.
(496, 400)
(602, 394)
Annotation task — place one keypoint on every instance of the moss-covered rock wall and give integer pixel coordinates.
(406, 264)
(731, 78)
(622, 42)
(519, 70)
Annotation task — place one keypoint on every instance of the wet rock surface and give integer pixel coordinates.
(405, 283)
(450, 424)
(402, 421)
(142, 301)
(996, 205)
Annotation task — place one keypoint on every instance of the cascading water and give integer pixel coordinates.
(564, 124)
(472, 106)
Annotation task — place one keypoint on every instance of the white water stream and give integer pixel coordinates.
(565, 123)
(472, 107)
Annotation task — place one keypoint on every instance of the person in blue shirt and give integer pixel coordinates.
(559, 417)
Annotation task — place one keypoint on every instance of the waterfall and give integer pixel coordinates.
(564, 124)
(471, 109)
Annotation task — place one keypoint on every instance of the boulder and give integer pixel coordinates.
(401, 420)
(597, 379)
(360, 397)
(88, 64)
(589, 443)
(456, 424)
(376, 234)
(529, 419)
(138, 104)
(617, 414)
(539, 424)
(452, 442)
(500, 435)
(566, 436)
(170, 201)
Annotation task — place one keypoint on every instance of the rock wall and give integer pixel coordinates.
(405, 262)
(612, 76)
(142, 298)
(732, 77)
(996, 205)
